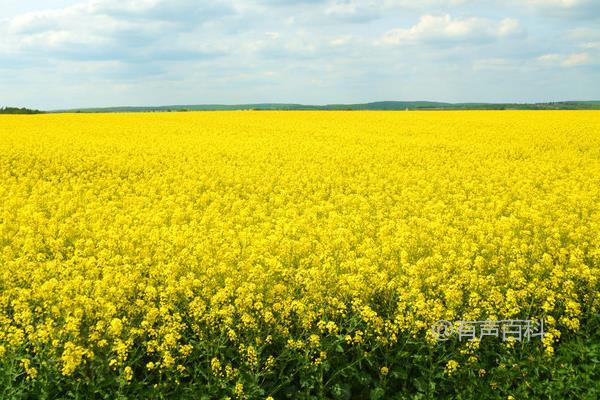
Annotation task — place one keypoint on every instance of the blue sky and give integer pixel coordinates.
(74, 53)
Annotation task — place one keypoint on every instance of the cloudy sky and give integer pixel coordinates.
(78, 53)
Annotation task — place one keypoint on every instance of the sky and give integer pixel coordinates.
(90, 53)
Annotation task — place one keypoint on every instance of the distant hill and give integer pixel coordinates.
(379, 105)
(15, 110)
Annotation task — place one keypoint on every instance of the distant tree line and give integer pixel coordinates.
(379, 105)
(16, 110)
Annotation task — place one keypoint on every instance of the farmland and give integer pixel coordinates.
(298, 254)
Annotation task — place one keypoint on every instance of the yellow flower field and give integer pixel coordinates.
(148, 244)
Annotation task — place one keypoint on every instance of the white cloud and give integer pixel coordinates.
(427, 3)
(357, 11)
(341, 41)
(564, 60)
(362, 11)
(444, 28)
(580, 9)
(549, 58)
(591, 45)
(128, 30)
(576, 59)
(559, 3)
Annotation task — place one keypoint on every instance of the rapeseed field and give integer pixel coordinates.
(292, 254)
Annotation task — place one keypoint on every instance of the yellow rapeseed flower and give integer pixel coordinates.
(125, 233)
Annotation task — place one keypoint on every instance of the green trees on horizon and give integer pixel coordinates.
(16, 110)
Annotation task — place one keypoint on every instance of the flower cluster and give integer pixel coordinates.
(227, 238)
